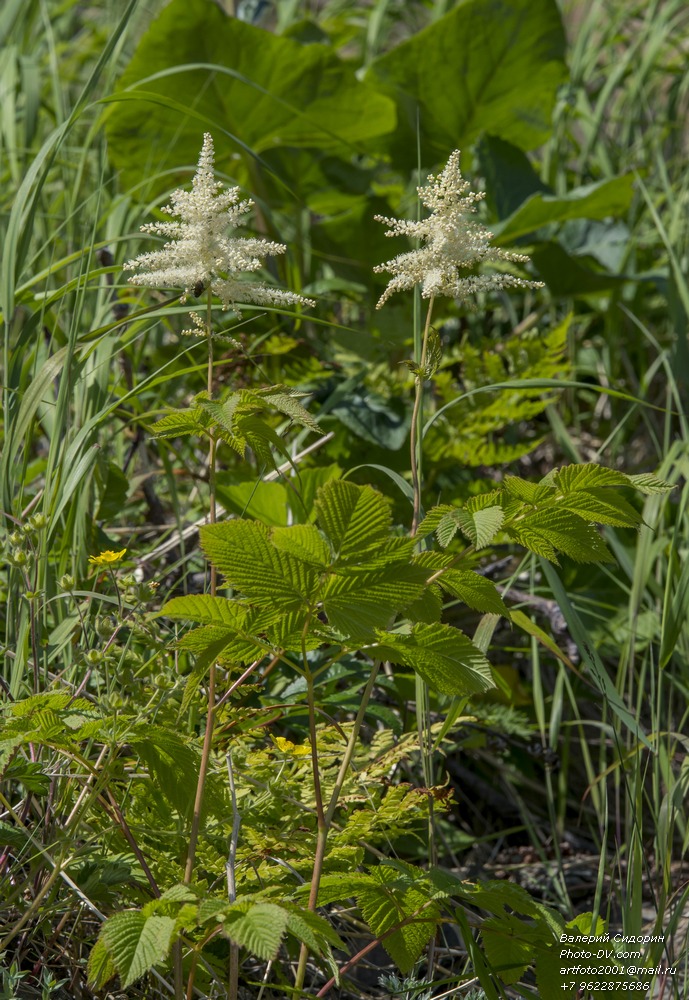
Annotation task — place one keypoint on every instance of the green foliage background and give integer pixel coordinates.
(572, 118)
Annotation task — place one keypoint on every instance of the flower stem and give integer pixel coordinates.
(325, 819)
(322, 836)
(210, 717)
(416, 424)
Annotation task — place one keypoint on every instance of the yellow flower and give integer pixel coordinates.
(107, 558)
(286, 746)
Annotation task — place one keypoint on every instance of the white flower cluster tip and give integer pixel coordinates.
(454, 244)
(200, 255)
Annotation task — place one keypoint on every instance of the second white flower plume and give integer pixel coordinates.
(454, 244)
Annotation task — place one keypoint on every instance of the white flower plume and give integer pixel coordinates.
(454, 244)
(199, 254)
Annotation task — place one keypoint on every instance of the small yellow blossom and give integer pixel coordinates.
(107, 558)
(286, 746)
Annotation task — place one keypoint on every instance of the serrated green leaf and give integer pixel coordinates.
(583, 477)
(444, 658)
(448, 526)
(287, 402)
(602, 505)
(232, 646)
(261, 438)
(562, 531)
(382, 910)
(532, 493)
(205, 609)
(428, 608)
(180, 894)
(509, 946)
(358, 600)
(480, 526)
(313, 930)
(305, 542)
(266, 575)
(136, 943)
(179, 423)
(647, 483)
(355, 518)
(433, 518)
(476, 591)
(100, 968)
(212, 909)
(258, 927)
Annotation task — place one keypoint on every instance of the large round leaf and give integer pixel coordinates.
(197, 68)
(488, 66)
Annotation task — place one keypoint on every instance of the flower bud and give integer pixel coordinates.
(67, 582)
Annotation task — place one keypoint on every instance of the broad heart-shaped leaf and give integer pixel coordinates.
(266, 575)
(136, 943)
(355, 519)
(592, 201)
(484, 67)
(269, 91)
(510, 179)
(445, 658)
(258, 927)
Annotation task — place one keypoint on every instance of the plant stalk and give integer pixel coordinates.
(416, 424)
(210, 717)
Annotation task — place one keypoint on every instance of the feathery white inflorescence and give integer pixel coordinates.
(454, 243)
(199, 252)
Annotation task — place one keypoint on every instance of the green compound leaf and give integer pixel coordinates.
(479, 526)
(553, 530)
(205, 609)
(286, 400)
(476, 591)
(136, 943)
(266, 575)
(354, 518)
(101, 968)
(383, 908)
(179, 423)
(649, 484)
(258, 927)
(509, 944)
(483, 68)
(304, 542)
(361, 600)
(445, 658)
(604, 506)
